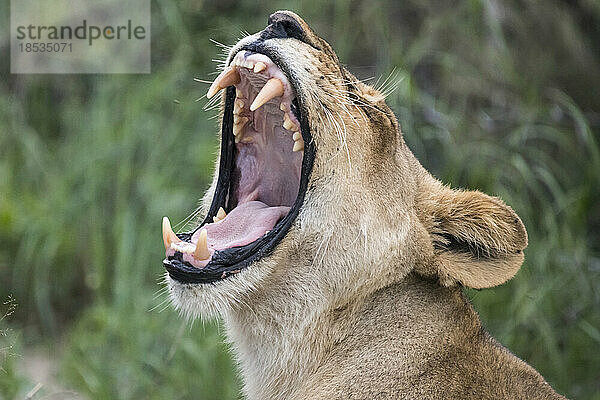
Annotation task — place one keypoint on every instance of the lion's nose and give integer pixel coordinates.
(282, 25)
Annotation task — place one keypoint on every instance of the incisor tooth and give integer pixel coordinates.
(273, 88)
(283, 107)
(183, 247)
(259, 66)
(226, 78)
(237, 60)
(168, 235)
(296, 136)
(201, 252)
(298, 145)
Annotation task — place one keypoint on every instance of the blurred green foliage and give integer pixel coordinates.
(500, 96)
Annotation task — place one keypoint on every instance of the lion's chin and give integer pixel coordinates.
(215, 300)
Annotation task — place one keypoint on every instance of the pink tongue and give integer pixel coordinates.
(243, 225)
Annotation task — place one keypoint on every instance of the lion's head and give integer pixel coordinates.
(316, 198)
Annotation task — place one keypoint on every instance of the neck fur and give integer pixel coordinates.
(280, 344)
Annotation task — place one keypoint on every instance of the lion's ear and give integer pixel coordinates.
(478, 240)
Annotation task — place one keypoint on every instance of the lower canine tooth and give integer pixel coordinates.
(168, 235)
(201, 252)
(273, 88)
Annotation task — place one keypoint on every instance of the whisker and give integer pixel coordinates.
(219, 44)
(162, 303)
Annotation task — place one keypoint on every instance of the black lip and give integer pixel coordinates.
(230, 261)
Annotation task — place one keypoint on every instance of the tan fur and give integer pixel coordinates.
(362, 299)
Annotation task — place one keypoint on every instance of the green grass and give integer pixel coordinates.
(497, 99)
(151, 356)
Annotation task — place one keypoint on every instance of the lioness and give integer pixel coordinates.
(334, 258)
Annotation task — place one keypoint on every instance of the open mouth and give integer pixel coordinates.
(266, 159)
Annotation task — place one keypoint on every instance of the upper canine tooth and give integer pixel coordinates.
(259, 66)
(273, 88)
(168, 235)
(201, 252)
(226, 78)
